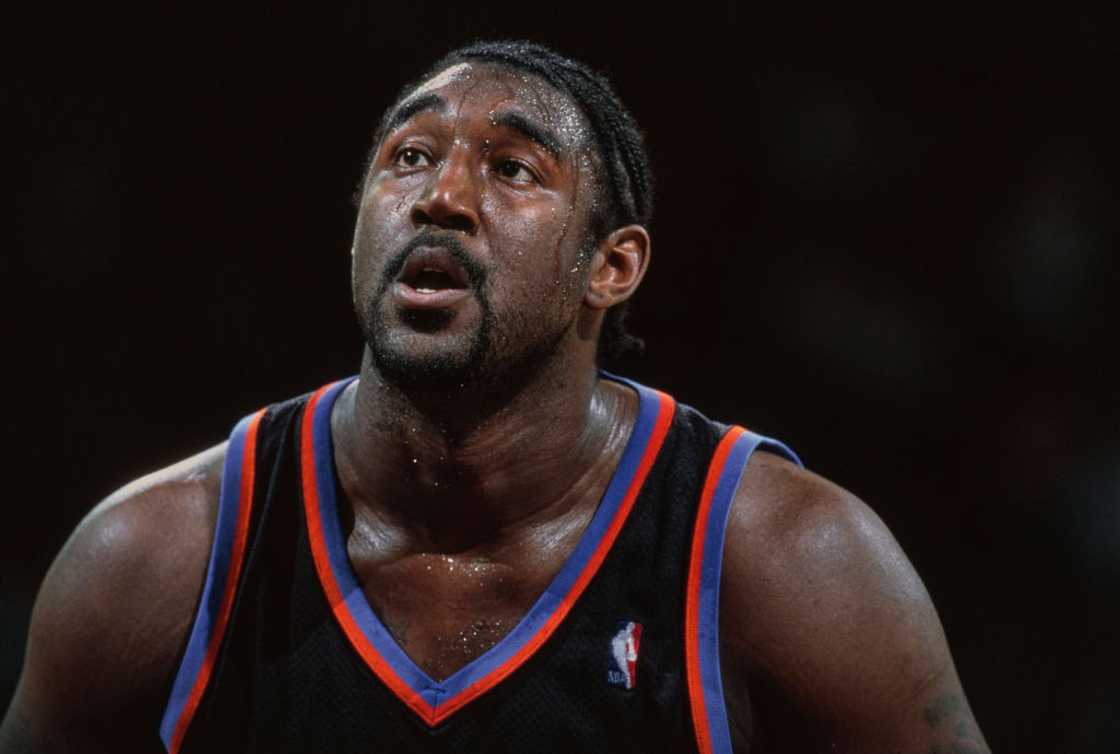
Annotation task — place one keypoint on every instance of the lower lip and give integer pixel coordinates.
(412, 298)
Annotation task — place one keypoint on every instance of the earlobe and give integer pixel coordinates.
(617, 269)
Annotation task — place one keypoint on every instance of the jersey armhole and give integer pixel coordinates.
(705, 684)
(222, 571)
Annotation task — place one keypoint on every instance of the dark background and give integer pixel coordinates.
(889, 241)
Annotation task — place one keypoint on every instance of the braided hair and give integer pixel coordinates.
(625, 196)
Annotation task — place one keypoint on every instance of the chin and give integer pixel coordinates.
(434, 354)
(418, 360)
(427, 350)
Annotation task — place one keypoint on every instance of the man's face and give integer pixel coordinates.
(467, 250)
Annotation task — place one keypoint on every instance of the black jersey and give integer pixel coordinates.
(620, 653)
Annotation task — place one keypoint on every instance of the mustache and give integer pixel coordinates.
(475, 272)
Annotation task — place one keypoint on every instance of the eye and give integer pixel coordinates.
(411, 157)
(515, 171)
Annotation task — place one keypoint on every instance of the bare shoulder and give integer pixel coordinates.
(822, 609)
(114, 610)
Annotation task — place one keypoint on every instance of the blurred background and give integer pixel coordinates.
(888, 240)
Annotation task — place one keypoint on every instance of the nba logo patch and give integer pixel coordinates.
(623, 671)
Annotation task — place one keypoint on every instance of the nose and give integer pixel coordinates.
(451, 199)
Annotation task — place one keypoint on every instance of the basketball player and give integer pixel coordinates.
(483, 543)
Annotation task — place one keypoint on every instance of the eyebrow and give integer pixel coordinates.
(531, 130)
(413, 106)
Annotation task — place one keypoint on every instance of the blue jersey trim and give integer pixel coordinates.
(217, 570)
(710, 570)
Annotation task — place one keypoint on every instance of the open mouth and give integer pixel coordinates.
(431, 279)
(433, 269)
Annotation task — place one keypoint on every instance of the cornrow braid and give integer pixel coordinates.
(625, 196)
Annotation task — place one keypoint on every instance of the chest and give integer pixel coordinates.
(446, 610)
(331, 647)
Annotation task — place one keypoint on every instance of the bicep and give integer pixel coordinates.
(107, 626)
(15, 733)
(38, 726)
(830, 611)
(77, 690)
(31, 726)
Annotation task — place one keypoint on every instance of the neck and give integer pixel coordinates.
(453, 471)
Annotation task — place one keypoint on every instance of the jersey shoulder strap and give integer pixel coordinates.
(255, 444)
(227, 552)
(705, 685)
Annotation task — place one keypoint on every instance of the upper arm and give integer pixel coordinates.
(112, 614)
(823, 610)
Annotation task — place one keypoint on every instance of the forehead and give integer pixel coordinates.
(481, 89)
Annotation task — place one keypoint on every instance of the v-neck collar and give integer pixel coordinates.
(434, 701)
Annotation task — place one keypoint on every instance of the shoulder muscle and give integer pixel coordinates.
(114, 610)
(822, 606)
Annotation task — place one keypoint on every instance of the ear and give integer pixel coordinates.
(618, 267)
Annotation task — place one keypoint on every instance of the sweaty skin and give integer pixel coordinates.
(830, 641)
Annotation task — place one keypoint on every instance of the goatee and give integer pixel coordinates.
(458, 366)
